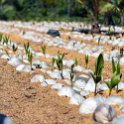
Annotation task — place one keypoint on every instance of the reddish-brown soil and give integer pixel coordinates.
(28, 103)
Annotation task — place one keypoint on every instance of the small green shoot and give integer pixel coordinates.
(113, 82)
(71, 79)
(59, 62)
(30, 58)
(73, 65)
(116, 70)
(86, 60)
(121, 52)
(97, 75)
(26, 47)
(14, 48)
(43, 48)
(53, 62)
(5, 40)
(1, 37)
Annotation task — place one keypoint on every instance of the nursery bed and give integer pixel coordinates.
(31, 103)
(52, 50)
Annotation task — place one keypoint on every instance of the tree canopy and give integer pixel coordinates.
(88, 10)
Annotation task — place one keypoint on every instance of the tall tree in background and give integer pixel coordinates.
(92, 7)
(114, 7)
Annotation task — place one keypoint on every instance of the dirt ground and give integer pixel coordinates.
(28, 103)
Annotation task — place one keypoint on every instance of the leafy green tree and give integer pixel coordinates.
(113, 7)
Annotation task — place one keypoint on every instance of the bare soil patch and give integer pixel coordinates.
(28, 103)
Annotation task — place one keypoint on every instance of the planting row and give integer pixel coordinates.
(82, 48)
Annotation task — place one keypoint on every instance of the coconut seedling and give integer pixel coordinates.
(28, 53)
(113, 82)
(86, 60)
(43, 48)
(59, 62)
(71, 79)
(30, 58)
(73, 65)
(97, 75)
(14, 48)
(26, 47)
(1, 37)
(121, 52)
(53, 62)
(5, 40)
(116, 75)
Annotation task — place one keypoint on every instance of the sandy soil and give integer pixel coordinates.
(28, 103)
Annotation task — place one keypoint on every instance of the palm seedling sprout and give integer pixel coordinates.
(53, 62)
(59, 62)
(121, 52)
(86, 60)
(71, 79)
(1, 37)
(73, 65)
(28, 53)
(14, 48)
(43, 48)
(5, 40)
(30, 58)
(116, 77)
(97, 75)
(26, 47)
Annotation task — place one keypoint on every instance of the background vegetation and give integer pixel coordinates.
(104, 11)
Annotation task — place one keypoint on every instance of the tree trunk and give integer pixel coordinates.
(95, 25)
